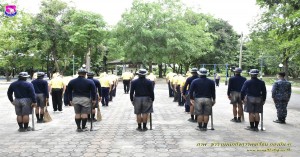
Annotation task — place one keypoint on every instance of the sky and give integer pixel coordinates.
(239, 13)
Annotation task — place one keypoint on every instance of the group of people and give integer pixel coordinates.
(197, 93)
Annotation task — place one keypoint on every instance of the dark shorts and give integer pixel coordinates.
(253, 104)
(142, 105)
(40, 100)
(82, 105)
(23, 106)
(203, 106)
(235, 98)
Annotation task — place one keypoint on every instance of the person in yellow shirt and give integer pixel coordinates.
(168, 80)
(114, 80)
(180, 83)
(173, 82)
(127, 77)
(57, 89)
(152, 78)
(106, 85)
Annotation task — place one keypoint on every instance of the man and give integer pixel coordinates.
(42, 95)
(180, 79)
(127, 77)
(57, 89)
(173, 82)
(281, 93)
(217, 79)
(106, 86)
(142, 97)
(24, 100)
(168, 80)
(254, 94)
(114, 82)
(66, 82)
(90, 76)
(82, 95)
(203, 99)
(235, 85)
(186, 94)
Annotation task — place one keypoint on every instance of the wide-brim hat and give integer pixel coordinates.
(238, 70)
(82, 71)
(254, 72)
(40, 74)
(202, 71)
(194, 70)
(23, 74)
(142, 72)
(90, 74)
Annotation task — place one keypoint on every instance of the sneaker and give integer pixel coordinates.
(145, 129)
(85, 129)
(78, 130)
(234, 120)
(139, 129)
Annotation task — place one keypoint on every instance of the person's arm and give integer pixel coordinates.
(229, 88)
(264, 91)
(243, 91)
(10, 93)
(132, 91)
(213, 89)
(289, 90)
(32, 94)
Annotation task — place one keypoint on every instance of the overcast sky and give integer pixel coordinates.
(239, 13)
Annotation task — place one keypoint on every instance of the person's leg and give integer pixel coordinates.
(20, 123)
(54, 100)
(252, 120)
(125, 86)
(84, 120)
(234, 111)
(37, 113)
(59, 100)
(205, 121)
(192, 112)
(106, 96)
(78, 121)
(66, 99)
(25, 119)
(284, 111)
(103, 96)
(145, 119)
(139, 121)
(240, 112)
(256, 120)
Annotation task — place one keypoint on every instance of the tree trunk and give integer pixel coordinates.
(160, 70)
(286, 64)
(88, 60)
(53, 52)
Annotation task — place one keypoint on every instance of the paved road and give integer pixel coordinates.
(172, 134)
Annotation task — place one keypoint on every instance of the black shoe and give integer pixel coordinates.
(249, 128)
(279, 121)
(234, 120)
(94, 120)
(204, 129)
(85, 129)
(139, 129)
(199, 128)
(21, 130)
(238, 120)
(78, 130)
(255, 129)
(191, 120)
(28, 129)
(145, 129)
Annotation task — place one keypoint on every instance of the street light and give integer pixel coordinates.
(280, 66)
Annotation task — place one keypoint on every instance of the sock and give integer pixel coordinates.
(252, 124)
(239, 118)
(256, 124)
(196, 117)
(234, 118)
(139, 125)
(41, 117)
(25, 125)
(37, 116)
(144, 125)
(93, 116)
(78, 121)
(204, 125)
(192, 117)
(20, 125)
(200, 125)
(84, 120)
(89, 116)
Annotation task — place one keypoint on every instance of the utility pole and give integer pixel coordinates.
(241, 49)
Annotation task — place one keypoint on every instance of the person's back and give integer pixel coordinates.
(281, 90)
(81, 86)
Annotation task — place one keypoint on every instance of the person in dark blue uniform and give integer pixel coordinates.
(281, 93)
(90, 76)
(42, 95)
(24, 100)
(186, 94)
(142, 97)
(235, 85)
(254, 94)
(82, 95)
(203, 97)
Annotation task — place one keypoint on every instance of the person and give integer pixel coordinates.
(24, 100)
(57, 89)
(82, 95)
(127, 77)
(168, 80)
(106, 86)
(142, 97)
(173, 82)
(178, 86)
(42, 95)
(114, 82)
(90, 76)
(65, 99)
(235, 85)
(281, 93)
(203, 99)
(253, 94)
(186, 94)
(152, 78)
(217, 79)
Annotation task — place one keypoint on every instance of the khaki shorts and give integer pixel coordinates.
(82, 105)
(142, 105)
(23, 106)
(253, 104)
(203, 106)
(40, 100)
(235, 98)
